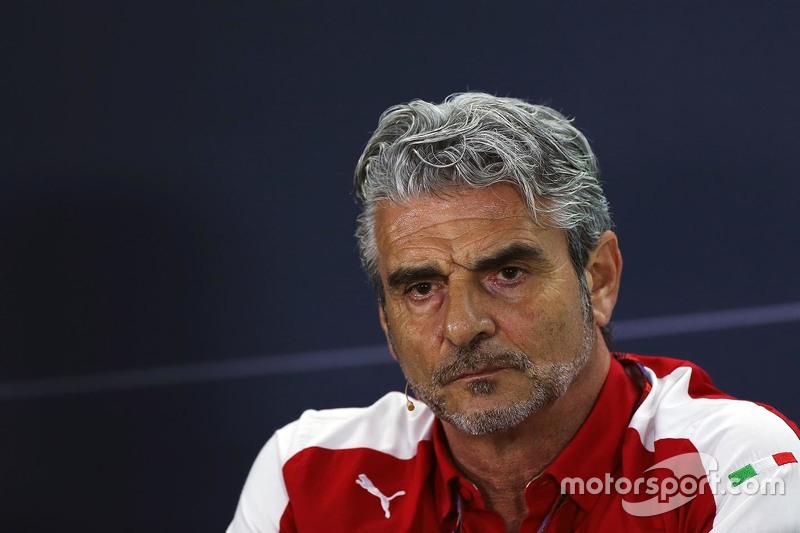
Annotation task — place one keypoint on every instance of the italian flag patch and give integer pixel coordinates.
(741, 475)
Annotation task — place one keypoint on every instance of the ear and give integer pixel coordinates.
(603, 273)
(385, 328)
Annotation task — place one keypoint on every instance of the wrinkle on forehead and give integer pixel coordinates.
(464, 206)
(460, 224)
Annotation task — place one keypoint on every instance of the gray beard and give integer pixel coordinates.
(549, 382)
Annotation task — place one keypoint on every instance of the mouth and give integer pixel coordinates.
(479, 374)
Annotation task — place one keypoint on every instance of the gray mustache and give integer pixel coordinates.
(469, 360)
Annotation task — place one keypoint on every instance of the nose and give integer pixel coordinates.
(467, 318)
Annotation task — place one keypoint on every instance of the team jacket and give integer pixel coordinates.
(661, 450)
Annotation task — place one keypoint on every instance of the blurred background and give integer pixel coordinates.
(178, 277)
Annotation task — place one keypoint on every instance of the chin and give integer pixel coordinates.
(489, 420)
(469, 403)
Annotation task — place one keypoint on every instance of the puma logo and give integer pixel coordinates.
(368, 486)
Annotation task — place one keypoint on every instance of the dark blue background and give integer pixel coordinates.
(175, 191)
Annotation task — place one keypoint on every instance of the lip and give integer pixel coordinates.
(482, 373)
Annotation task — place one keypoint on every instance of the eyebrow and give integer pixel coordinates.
(405, 275)
(513, 252)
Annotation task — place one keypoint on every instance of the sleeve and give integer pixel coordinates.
(760, 476)
(264, 505)
(770, 503)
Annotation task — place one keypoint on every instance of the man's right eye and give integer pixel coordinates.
(420, 289)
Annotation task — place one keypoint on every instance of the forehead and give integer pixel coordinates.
(463, 221)
(496, 201)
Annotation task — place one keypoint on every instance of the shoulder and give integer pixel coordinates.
(733, 438)
(385, 428)
(684, 403)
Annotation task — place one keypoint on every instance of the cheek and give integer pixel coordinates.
(416, 343)
(545, 332)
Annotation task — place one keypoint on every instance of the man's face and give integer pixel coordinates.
(483, 308)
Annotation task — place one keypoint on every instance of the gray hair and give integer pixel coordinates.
(475, 140)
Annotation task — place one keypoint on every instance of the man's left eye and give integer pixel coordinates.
(510, 273)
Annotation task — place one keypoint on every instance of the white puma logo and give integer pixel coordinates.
(368, 486)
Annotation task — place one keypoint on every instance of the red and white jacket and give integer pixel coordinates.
(661, 450)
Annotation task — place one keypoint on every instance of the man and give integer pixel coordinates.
(486, 235)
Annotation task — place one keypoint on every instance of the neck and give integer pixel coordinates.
(502, 464)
